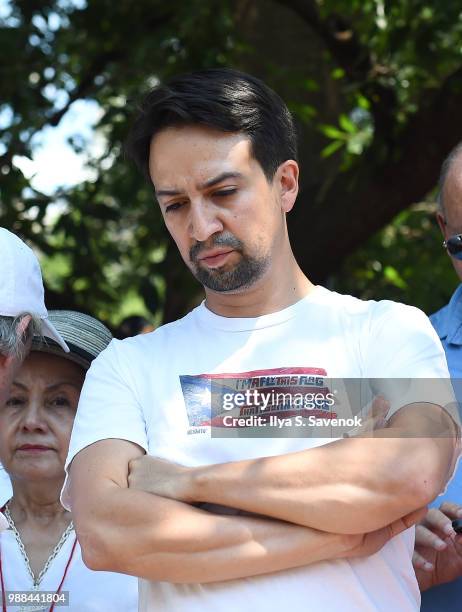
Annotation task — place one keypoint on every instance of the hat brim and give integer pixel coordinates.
(50, 331)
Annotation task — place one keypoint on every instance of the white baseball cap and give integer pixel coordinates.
(21, 285)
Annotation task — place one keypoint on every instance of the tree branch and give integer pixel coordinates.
(338, 36)
(342, 223)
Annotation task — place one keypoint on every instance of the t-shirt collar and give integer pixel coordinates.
(235, 324)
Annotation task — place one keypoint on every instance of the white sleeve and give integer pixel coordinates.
(406, 360)
(407, 363)
(108, 408)
(402, 343)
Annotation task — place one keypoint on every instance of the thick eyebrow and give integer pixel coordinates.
(210, 183)
(218, 179)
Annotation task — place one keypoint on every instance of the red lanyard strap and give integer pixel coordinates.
(2, 584)
(65, 572)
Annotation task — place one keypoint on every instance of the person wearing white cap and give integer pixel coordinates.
(21, 285)
(22, 310)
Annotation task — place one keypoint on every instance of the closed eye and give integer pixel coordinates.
(173, 207)
(222, 193)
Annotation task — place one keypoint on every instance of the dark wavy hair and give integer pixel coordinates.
(223, 99)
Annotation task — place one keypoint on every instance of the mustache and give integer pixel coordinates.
(222, 240)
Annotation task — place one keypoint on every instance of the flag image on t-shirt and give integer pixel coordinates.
(255, 398)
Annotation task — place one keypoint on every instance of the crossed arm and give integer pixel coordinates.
(136, 531)
(350, 486)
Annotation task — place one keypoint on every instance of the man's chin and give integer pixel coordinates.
(225, 285)
(230, 278)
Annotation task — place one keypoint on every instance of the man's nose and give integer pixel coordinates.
(204, 220)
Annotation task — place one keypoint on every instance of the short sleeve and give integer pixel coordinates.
(407, 363)
(402, 343)
(108, 408)
(406, 360)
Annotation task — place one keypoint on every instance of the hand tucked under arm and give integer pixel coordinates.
(355, 485)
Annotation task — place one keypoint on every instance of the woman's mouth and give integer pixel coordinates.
(34, 448)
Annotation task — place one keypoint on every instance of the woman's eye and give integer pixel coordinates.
(15, 401)
(60, 401)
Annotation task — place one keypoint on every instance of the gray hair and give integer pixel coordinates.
(445, 169)
(11, 344)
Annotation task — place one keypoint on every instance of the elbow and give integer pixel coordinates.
(422, 480)
(96, 552)
(428, 486)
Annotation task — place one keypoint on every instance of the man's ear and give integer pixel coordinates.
(287, 180)
(441, 222)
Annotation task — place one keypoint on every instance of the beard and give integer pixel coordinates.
(245, 273)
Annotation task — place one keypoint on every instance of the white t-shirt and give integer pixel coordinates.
(89, 591)
(155, 390)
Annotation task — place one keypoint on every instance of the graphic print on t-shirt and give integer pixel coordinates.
(256, 398)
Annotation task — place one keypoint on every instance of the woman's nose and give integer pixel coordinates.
(33, 418)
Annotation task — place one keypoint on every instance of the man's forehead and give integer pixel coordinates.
(453, 184)
(196, 154)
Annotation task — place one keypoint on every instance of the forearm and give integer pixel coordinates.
(349, 486)
(158, 539)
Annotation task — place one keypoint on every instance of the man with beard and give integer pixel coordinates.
(308, 520)
(22, 312)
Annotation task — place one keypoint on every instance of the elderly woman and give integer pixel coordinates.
(40, 556)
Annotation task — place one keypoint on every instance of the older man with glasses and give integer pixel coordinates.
(448, 320)
(22, 311)
(438, 551)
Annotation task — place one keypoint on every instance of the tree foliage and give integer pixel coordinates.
(376, 89)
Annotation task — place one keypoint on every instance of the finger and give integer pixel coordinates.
(420, 562)
(437, 521)
(413, 517)
(380, 407)
(131, 465)
(425, 537)
(451, 509)
(458, 544)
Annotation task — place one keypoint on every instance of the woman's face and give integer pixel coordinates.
(36, 421)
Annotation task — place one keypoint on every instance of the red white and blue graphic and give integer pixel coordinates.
(236, 400)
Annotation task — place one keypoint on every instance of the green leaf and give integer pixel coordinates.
(332, 132)
(392, 275)
(337, 73)
(331, 148)
(348, 125)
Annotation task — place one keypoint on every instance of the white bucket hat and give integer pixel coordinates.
(21, 285)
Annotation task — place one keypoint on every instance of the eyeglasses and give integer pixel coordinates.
(454, 246)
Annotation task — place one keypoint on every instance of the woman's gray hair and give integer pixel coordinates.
(11, 343)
